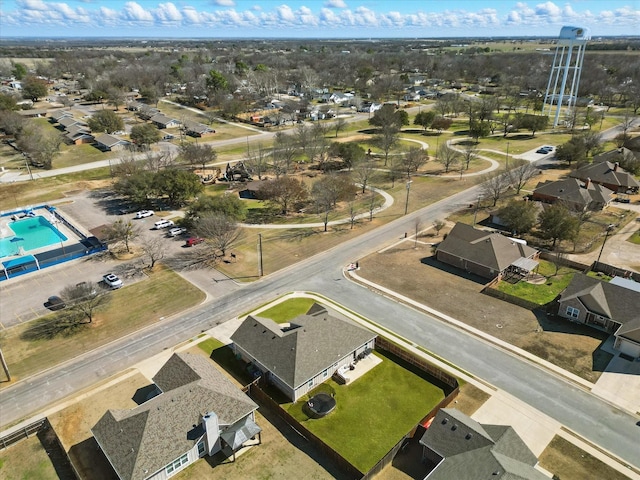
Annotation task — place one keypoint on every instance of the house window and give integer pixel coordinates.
(573, 312)
(201, 449)
(310, 384)
(325, 374)
(177, 464)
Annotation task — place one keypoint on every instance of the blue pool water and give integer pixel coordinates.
(29, 233)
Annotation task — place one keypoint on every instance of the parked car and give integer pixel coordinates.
(193, 241)
(144, 213)
(159, 225)
(55, 303)
(544, 150)
(175, 231)
(112, 280)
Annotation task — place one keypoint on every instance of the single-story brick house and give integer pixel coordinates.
(197, 411)
(78, 134)
(605, 170)
(110, 143)
(162, 121)
(485, 254)
(298, 356)
(195, 129)
(457, 447)
(605, 306)
(575, 193)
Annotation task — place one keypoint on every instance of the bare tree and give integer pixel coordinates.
(220, 230)
(256, 161)
(494, 186)
(417, 228)
(373, 203)
(448, 157)
(84, 298)
(155, 249)
(123, 231)
(353, 214)
(439, 225)
(339, 125)
(521, 174)
(469, 153)
(412, 160)
(195, 154)
(363, 171)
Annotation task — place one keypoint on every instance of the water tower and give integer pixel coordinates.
(564, 78)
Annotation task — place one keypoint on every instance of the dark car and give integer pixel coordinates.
(55, 303)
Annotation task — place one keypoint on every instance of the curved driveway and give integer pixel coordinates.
(582, 412)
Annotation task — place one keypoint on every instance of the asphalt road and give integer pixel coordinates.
(584, 413)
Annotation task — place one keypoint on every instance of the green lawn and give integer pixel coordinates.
(544, 293)
(635, 238)
(288, 310)
(209, 345)
(25, 460)
(29, 348)
(372, 413)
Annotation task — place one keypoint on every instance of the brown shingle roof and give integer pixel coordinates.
(575, 191)
(143, 440)
(492, 250)
(605, 171)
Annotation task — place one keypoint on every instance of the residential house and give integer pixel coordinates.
(606, 306)
(197, 411)
(574, 193)
(60, 114)
(162, 121)
(34, 113)
(458, 447)
(110, 143)
(605, 170)
(298, 356)
(486, 254)
(196, 129)
(66, 122)
(78, 134)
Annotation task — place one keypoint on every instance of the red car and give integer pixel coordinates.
(193, 241)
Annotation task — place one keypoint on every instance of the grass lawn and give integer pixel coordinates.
(569, 462)
(288, 310)
(373, 412)
(25, 460)
(209, 345)
(544, 293)
(163, 294)
(635, 238)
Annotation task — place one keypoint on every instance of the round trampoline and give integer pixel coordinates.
(321, 404)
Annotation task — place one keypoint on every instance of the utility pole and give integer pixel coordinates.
(260, 268)
(406, 203)
(4, 366)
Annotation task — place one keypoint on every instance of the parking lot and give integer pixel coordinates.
(23, 297)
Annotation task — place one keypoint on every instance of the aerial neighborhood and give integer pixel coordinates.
(395, 258)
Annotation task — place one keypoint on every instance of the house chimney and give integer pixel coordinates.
(212, 433)
(615, 166)
(587, 182)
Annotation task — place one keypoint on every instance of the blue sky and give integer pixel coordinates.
(314, 18)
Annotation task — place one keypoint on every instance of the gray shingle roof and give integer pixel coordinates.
(314, 342)
(603, 172)
(620, 304)
(574, 191)
(492, 250)
(109, 140)
(141, 441)
(473, 451)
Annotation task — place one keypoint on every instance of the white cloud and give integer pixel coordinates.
(334, 15)
(335, 4)
(135, 13)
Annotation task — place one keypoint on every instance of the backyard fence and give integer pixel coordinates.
(422, 364)
(23, 433)
(521, 302)
(260, 396)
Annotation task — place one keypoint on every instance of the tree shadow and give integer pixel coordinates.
(297, 234)
(432, 262)
(63, 324)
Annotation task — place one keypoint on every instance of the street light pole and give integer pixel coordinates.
(610, 227)
(406, 203)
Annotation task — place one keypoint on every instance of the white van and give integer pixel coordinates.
(162, 224)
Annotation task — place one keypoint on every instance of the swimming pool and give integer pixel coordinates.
(29, 234)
